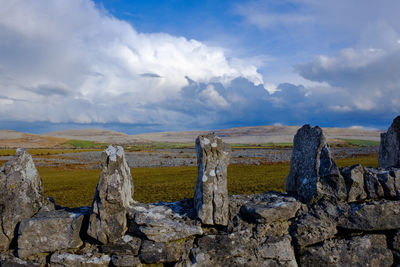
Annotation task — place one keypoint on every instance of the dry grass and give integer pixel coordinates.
(76, 186)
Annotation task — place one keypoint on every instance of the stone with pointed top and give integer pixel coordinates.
(211, 201)
(113, 196)
(313, 172)
(21, 194)
(389, 149)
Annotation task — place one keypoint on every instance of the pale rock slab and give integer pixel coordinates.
(113, 196)
(313, 172)
(211, 200)
(49, 231)
(21, 194)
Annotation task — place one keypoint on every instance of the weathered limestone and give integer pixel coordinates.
(211, 193)
(113, 196)
(163, 222)
(21, 194)
(269, 208)
(49, 231)
(373, 216)
(368, 250)
(160, 252)
(354, 178)
(69, 259)
(389, 149)
(313, 172)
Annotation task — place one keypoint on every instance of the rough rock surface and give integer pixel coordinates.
(354, 178)
(49, 231)
(160, 252)
(313, 172)
(368, 250)
(163, 222)
(113, 196)
(211, 193)
(269, 208)
(69, 259)
(373, 216)
(21, 194)
(389, 149)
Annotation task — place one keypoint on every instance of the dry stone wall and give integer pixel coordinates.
(328, 217)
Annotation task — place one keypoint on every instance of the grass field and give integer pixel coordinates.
(45, 151)
(76, 187)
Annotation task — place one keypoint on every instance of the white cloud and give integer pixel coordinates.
(69, 61)
(212, 97)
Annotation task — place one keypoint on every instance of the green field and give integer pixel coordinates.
(76, 187)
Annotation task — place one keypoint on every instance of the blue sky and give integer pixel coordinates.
(140, 66)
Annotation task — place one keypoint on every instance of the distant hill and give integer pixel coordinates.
(240, 135)
(13, 139)
(98, 135)
(261, 134)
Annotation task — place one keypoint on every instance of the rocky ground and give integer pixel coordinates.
(187, 157)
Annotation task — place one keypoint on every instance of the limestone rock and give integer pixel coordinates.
(113, 196)
(313, 172)
(225, 250)
(354, 178)
(373, 216)
(9, 260)
(125, 261)
(369, 250)
(318, 223)
(390, 181)
(279, 250)
(211, 200)
(389, 149)
(21, 194)
(270, 207)
(311, 229)
(69, 259)
(163, 222)
(373, 187)
(127, 245)
(396, 241)
(49, 231)
(160, 252)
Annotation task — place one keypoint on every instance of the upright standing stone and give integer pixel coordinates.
(313, 172)
(113, 196)
(21, 194)
(389, 149)
(211, 194)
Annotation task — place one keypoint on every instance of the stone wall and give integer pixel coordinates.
(328, 217)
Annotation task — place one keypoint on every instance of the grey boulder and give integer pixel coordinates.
(369, 250)
(21, 194)
(49, 231)
(163, 222)
(313, 174)
(113, 196)
(389, 149)
(211, 200)
(373, 216)
(269, 207)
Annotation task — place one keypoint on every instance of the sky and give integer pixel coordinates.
(144, 66)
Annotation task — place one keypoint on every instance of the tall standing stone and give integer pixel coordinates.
(389, 149)
(313, 172)
(113, 196)
(211, 201)
(21, 194)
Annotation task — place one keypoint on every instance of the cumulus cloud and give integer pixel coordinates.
(71, 61)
